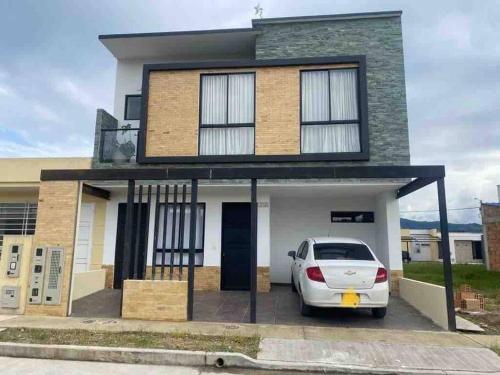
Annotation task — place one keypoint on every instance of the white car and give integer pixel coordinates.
(339, 272)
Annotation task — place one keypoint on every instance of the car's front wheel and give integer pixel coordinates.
(379, 312)
(305, 310)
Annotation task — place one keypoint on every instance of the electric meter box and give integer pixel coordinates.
(14, 260)
(10, 297)
(37, 276)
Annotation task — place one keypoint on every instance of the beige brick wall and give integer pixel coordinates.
(205, 278)
(109, 280)
(155, 300)
(173, 110)
(56, 226)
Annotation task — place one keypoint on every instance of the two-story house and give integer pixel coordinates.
(295, 127)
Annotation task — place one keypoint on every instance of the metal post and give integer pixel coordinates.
(445, 243)
(165, 228)
(181, 230)
(137, 235)
(129, 226)
(155, 235)
(192, 246)
(146, 236)
(253, 253)
(173, 246)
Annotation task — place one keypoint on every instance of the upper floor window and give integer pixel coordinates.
(132, 107)
(329, 111)
(227, 120)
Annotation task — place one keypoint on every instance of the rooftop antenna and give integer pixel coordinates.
(258, 10)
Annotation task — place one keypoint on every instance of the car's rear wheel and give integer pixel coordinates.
(379, 312)
(305, 310)
(294, 288)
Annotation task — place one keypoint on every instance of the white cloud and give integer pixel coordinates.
(76, 92)
(46, 114)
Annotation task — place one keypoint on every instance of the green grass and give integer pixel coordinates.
(178, 341)
(485, 282)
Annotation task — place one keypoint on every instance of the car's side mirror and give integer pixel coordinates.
(291, 254)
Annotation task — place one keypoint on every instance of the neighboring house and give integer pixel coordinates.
(294, 128)
(490, 214)
(425, 245)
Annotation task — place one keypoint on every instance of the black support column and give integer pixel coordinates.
(253, 253)
(445, 243)
(192, 246)
(129, 227)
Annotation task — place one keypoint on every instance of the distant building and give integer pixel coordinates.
(424, 245)
(490, 214)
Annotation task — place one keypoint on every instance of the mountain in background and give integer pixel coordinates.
(414, 224)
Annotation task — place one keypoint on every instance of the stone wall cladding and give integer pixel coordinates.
(56, 226)
(395, 276)
(491, 230)
(155, 300)
(380, 39)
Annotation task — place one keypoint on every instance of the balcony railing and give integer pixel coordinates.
(119, 145)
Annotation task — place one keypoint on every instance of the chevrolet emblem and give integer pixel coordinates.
(349, 273)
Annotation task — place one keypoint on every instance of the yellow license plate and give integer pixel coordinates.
(350, 299)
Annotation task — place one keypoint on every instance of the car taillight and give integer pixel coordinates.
(314, 274)
(381, 275)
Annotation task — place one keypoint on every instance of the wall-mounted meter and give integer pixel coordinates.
(10, 297)
(37, 276)
(14, 260)
(53, 277)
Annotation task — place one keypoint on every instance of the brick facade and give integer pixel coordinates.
(56, 226)
(155, 300)
(491, 230)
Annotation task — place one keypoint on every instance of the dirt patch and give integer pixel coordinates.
(150, 340)
(489, 321)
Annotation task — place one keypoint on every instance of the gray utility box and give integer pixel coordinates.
(10, 297)
(14, 260)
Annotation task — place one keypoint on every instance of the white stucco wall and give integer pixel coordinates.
(213, 199)
(294, 219)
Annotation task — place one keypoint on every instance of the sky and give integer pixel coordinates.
(54, 74)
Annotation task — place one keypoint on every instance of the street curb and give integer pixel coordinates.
(164, 357)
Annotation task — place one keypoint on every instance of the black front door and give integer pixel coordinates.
(235, 272)
(120, 241)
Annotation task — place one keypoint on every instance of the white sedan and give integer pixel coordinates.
(339, 272)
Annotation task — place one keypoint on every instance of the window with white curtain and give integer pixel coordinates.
(200, 230)
(330, 118)
(227, 118)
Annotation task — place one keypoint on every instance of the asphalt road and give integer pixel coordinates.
(11, 366)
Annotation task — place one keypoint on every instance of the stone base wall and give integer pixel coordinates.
(155, 300)
(396, 275)
(205, 278)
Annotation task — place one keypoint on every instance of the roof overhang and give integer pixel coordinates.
(184, 45)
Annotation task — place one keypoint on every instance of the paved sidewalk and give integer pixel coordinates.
(381, 356)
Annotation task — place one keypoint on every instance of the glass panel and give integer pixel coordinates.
(241, 99)
(119, 145)
(213, 99)
(343, 94)
(133, 107)
(200, 219)
(315, 96)
(341, 251)
(227, 141)
(330, 138)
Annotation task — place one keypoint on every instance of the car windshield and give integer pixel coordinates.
(342, 251)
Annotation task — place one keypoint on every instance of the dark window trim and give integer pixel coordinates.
(360, 60)
(227, 124)
(198, 250)
(126, 107)
(362, 120)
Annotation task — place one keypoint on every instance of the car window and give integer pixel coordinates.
(305, 250)
(301, 250)
(342, 251)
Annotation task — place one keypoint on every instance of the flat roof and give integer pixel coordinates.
(216, 44)
(327, 17)
(183, 45)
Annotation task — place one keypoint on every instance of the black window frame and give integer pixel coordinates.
(197, 250)
(227, 124)
(360, 120)
(127, 97)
